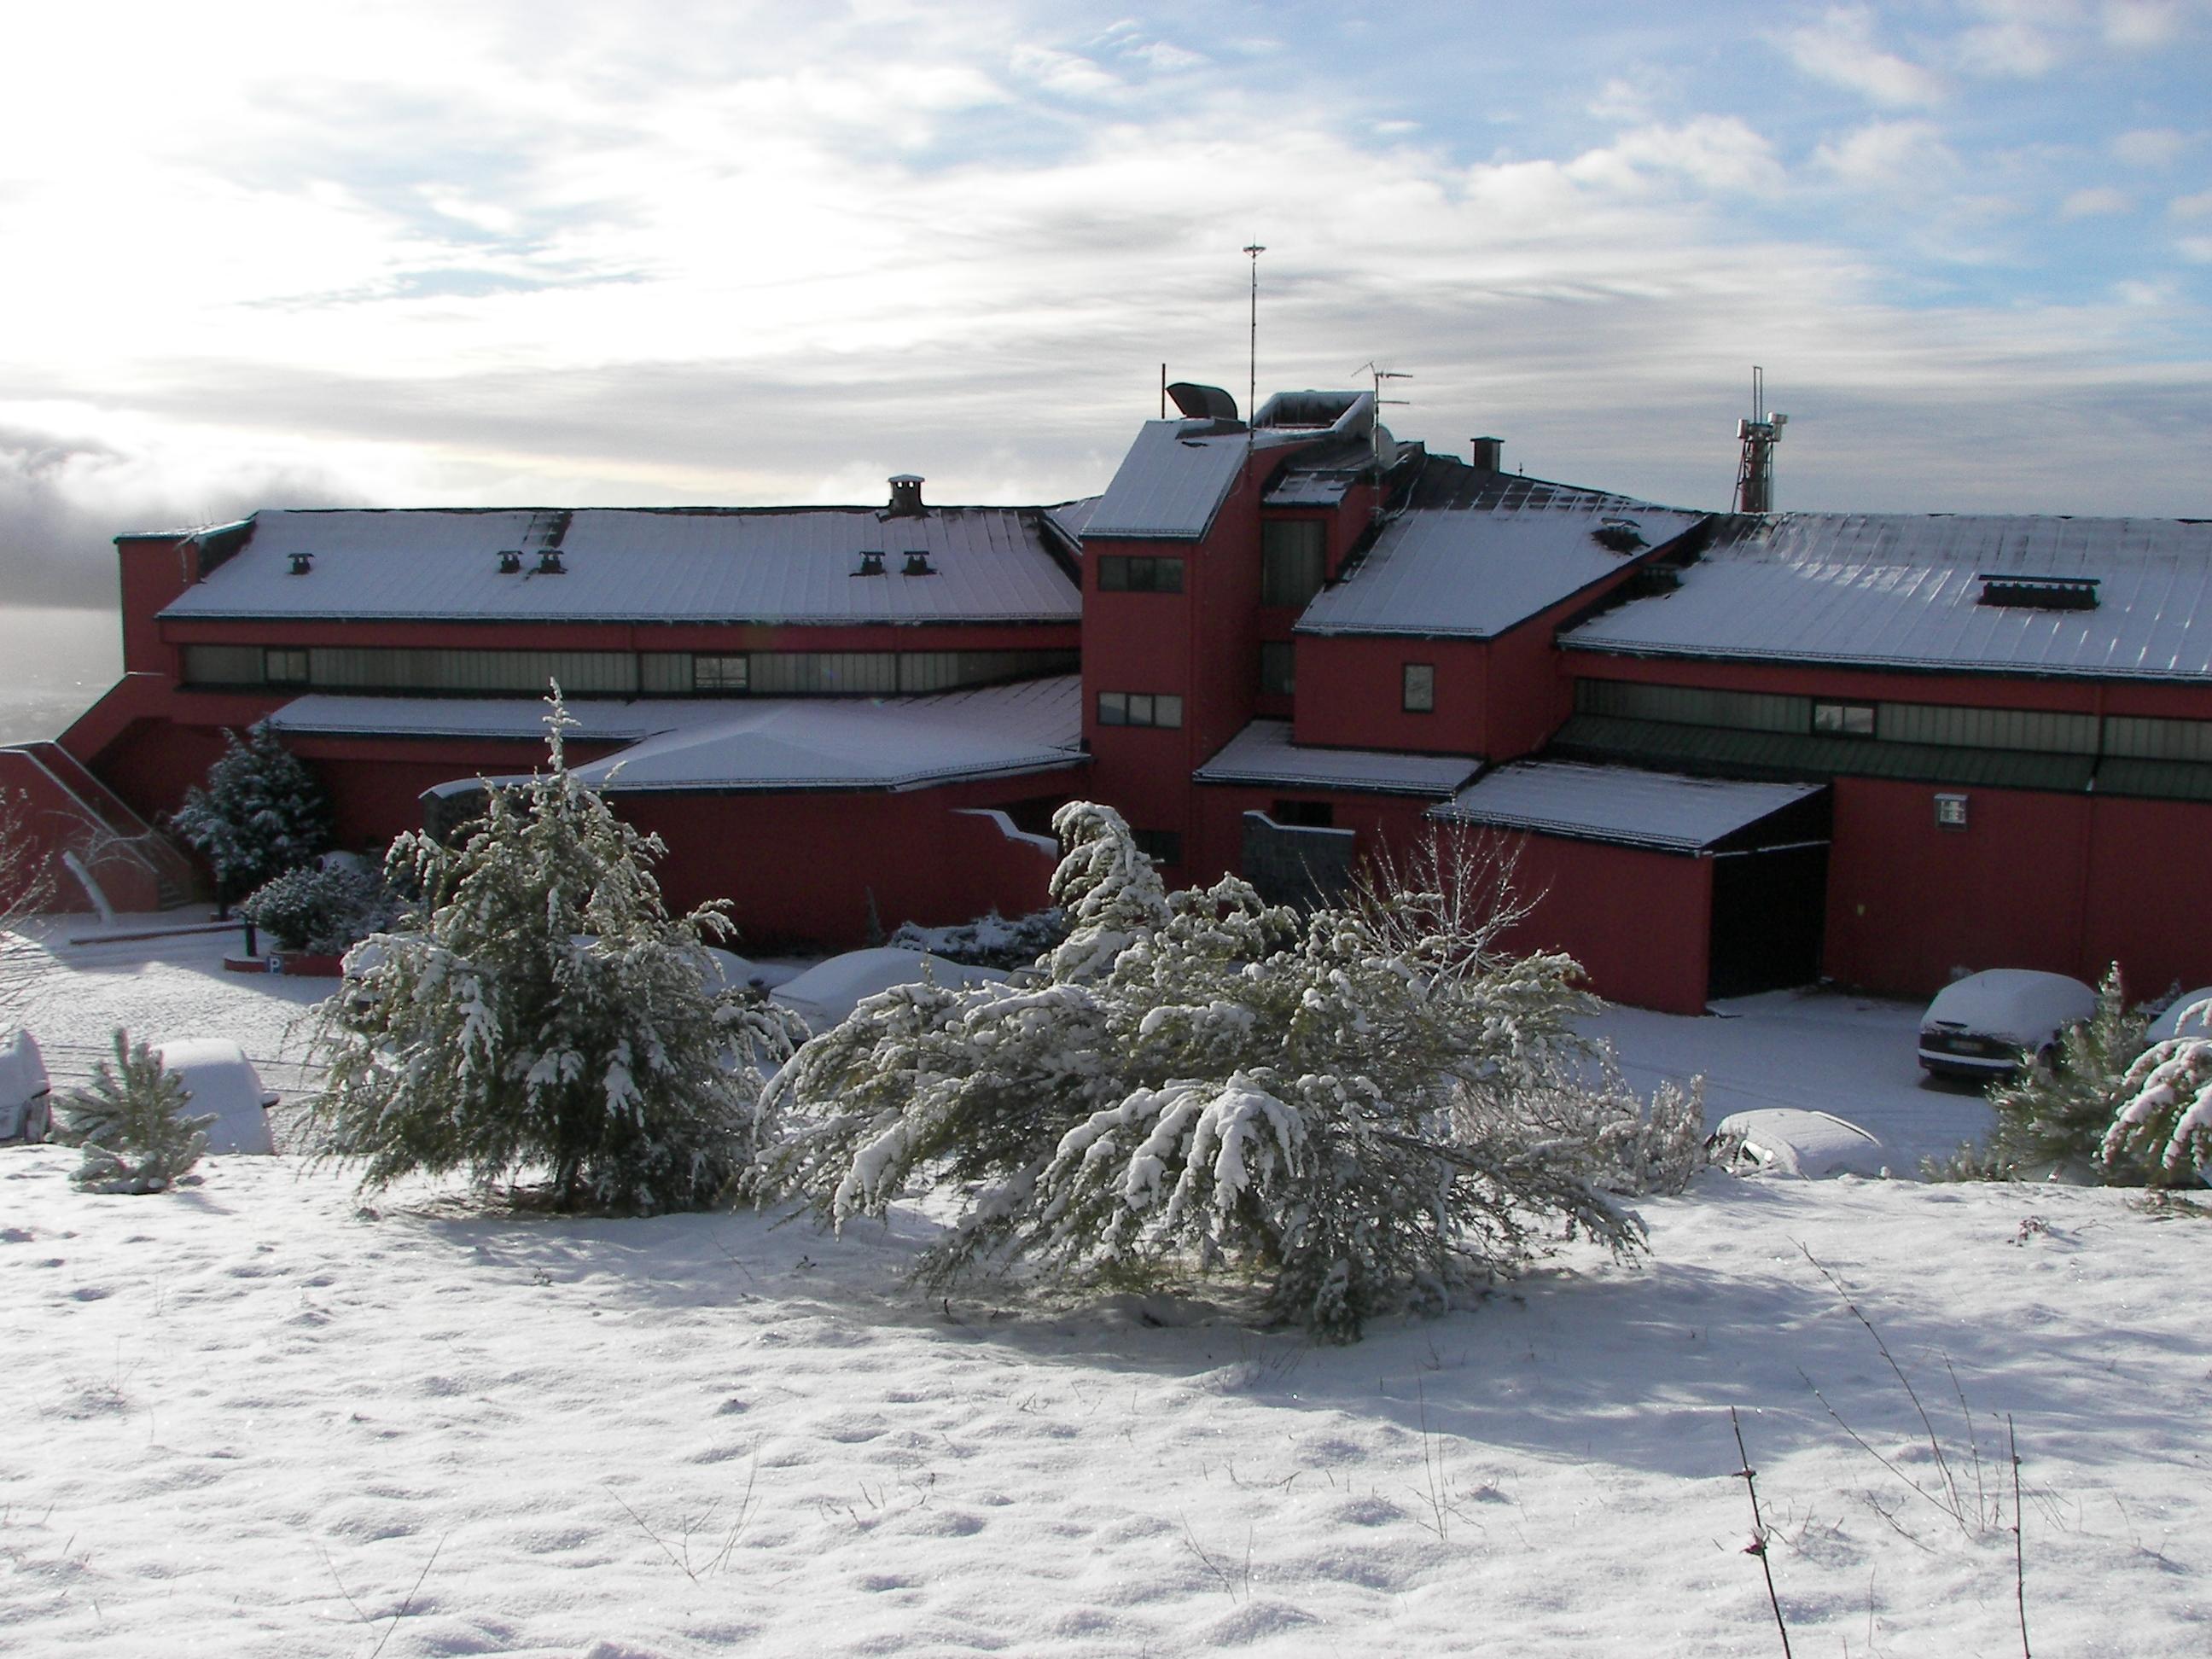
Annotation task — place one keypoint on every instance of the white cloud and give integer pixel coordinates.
(2143, 23)
(1623, 101)
(2192, 207)
(2095, 204)
(2196, 249)
(1889, 155)
(1840, 48)
(1720, 152)
(2150, 147)
(2014, 49)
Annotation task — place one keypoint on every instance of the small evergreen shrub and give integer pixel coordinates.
(323, 908)
(990, 941)
(539, 1013)
(261, 813)
(1361, 1109)
(130, 1121)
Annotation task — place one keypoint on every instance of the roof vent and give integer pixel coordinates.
(871, 563)
(906, 496)
(548, 561)
(303, 563)
(2039, 592)
(1618, 535)
(918, 564)
(1489, 455)
(510, 561)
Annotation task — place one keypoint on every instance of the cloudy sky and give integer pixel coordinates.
(476, 252)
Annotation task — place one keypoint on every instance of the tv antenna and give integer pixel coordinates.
(1379, 374)
(1252, 360)
(1754, 473)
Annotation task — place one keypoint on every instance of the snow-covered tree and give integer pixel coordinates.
(540, 1013)
(2164, 1124)
(2052, 1116)
(261, 813)
(1361, 1106)
(130, 1121)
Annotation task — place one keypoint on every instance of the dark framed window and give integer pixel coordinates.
(1125, 572)
(1419, 688)
(1292, 556)
(1138, 708)
(1160, 846)
(1277, 663)
(284, 665)
(1951, 811)
(1304, 814)
(1842, 719)
(721, 673)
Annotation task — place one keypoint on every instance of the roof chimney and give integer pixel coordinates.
(906, 497)
(1489, 455)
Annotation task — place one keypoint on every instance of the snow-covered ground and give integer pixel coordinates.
(262, 1416)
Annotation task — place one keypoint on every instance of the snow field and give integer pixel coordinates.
(260, 1416)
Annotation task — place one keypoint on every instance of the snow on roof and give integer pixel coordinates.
(1263, 753)
(1310, 489)
(321, 714)
(1895, 590)
(825, 743)
(793, 565)
(1171, 483)
(1477, 571)
(1073, 517)
(1661, 810)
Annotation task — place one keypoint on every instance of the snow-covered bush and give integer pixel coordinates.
(261, 813)
(1362, 1107)
(2164, 1124)
(540, 1013)
(130, 1121)
(990, 941)
(322, 907)
(2051, 1117)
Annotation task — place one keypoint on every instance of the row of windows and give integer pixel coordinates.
(1939, 724)
(1293, 559)
(615, 673)
(1121, 572)
(1138, 708)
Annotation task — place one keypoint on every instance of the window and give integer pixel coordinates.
(1304, 814)
(1844, 720)
(1121, 572)
(720, 673)
(284, 665)
(1138, 708)
(1276, 663)
(1160, 846)
(1291, 560)
(1951, 811)
(1420, 688)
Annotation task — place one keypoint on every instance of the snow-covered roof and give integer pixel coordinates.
(1073, 517)
(797, 565)
(1171, 483)
(1479, 571)
(1263, 753)
(1303, 489)
(321, 714)
(1895, 590)
(1664, 811)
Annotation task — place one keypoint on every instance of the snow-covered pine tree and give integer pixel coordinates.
(540, 1013)
(2052, 1116)
(131, 1120)
(261, 813)
(1364, 1106)
(2164, 1124)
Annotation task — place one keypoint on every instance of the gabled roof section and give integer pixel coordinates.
(1664, 811)
(1262, 753)
(1171, 483)
(1907, 592)
(1474, 554)
(675, 564)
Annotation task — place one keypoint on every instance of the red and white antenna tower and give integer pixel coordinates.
(1754, 474)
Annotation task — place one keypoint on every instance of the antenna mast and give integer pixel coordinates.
(1252, 361)
(1754, 473)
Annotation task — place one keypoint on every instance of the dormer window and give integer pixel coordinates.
(2027, 593)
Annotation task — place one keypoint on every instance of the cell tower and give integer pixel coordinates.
(1754, 474)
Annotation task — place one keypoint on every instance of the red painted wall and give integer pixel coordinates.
(1351, 693)
(1395, 821)
(1639, 922)
(628, 636)
(2149, 896)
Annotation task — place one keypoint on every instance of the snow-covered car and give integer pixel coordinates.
(27, 1111)
(1783, 1140)
(1980, 1026)
(223, 1086)
(826, 992)
(2188, 1016)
